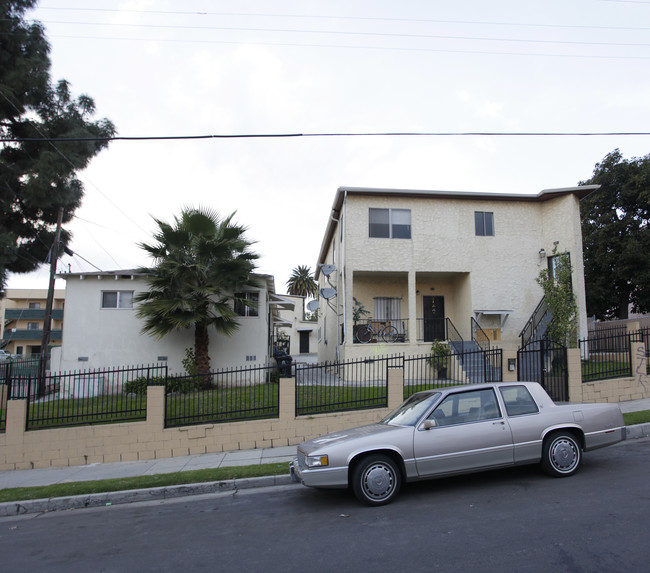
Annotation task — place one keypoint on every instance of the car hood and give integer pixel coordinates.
(371, 432)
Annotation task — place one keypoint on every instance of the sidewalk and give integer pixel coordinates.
(49, 476)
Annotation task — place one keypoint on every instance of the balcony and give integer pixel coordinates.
(29, 334)
(31, 314)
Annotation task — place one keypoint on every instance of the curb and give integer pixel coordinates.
(13, 508)
(637, 431)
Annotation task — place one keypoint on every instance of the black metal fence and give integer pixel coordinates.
(545, 362)
(606, 353)
(84, 397)
(226, 395)
(460, 367)
(344, 385)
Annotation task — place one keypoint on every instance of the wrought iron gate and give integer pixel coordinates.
(545, 362)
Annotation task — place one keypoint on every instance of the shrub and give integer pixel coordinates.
(139, 385)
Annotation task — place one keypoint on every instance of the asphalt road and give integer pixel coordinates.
(515, 520)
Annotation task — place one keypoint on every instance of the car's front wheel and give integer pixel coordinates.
(376, 480)
(561, 454)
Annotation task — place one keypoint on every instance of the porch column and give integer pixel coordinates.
(413, 321)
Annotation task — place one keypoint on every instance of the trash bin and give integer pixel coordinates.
(284, 366)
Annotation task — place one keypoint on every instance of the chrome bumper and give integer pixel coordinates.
(322, 477)
(294, 470)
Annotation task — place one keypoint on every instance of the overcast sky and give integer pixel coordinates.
(209, 67)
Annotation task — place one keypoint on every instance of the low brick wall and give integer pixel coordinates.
(151, 440)
(633, 387)
(148, 440)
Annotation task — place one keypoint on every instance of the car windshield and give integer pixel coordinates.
(412, 410)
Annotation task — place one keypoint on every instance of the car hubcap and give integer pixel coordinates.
(564, 455)
(378, 481)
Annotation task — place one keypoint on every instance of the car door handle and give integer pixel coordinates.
(501, 423)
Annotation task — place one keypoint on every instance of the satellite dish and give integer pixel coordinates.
(327, 270)
(327, 293)
(312, 305)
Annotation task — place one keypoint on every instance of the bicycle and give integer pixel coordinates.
(382, 330)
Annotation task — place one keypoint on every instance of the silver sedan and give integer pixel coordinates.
(458, 430)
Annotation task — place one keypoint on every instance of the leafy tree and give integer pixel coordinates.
(37, 177)
(616, 237)
(201, 261)
(558, 292)
(302, 282)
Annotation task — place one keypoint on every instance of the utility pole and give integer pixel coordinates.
(47, 324)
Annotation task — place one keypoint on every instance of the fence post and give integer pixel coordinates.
(395, 386)
(287, 399)
(639, 367)
(574, 373)
(156, 406)
(509, 375)
(15, 428)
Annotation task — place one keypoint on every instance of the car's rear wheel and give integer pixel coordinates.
(376, 480)
(561, 455)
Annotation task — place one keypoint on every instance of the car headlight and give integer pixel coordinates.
(316, 461)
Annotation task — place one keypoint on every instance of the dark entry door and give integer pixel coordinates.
(434, 318)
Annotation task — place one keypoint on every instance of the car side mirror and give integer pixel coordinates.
(428, 424)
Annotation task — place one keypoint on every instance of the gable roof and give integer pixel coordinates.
(342, 192)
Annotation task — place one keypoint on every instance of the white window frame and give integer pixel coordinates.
(123, 300)
(394, 223)
(244, 310)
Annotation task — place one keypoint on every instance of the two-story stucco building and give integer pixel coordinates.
(101, 328)
(431, 262)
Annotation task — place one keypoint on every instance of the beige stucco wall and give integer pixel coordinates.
(112, 337)
(474, 273)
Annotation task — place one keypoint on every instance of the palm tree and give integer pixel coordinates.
(200, 261)
(301, 282)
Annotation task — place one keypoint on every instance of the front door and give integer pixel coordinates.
(434, 318)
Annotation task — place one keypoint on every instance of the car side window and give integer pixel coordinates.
(463, 407)
(518, 400)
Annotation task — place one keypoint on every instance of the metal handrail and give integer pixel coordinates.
(479, 335)
(530, 327)
(452, 333)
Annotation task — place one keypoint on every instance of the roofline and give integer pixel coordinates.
(580, 192)
(132, 273)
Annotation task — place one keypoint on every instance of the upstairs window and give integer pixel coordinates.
(117, 299)
(484, 223)
(390, 223)
(246, 303)
(34, 305)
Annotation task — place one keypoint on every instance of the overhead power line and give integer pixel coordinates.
(341, 134)
(331, 17)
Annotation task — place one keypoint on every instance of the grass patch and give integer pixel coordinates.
(324, 399)
(632, 418)
(141, 482)
(602, 369)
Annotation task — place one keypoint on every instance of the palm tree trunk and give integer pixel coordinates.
(201, 343)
